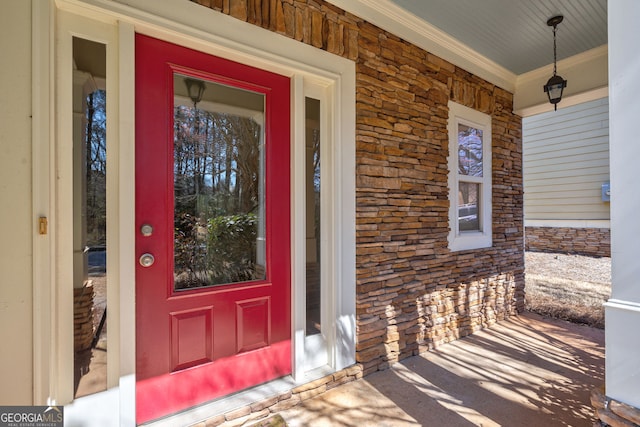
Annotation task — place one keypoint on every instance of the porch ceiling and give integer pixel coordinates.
(514, 33)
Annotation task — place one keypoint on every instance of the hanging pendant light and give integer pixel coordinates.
(556, 84)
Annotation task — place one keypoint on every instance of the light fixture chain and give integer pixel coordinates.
(554, 50)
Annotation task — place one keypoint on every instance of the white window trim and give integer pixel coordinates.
(191, 25)
(459, 241)
(60, 390)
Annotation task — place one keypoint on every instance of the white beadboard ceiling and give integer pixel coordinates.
(514, 33)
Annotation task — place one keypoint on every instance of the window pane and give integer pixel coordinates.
(90, 218)
(469, 151)
(218, 184)
(312, 187)
(468, 218)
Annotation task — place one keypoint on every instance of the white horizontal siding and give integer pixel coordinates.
(576, 153)
(561, 176)
(578, 139)
(584, 160)
(566, 161)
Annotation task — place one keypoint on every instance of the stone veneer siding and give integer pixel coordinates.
(413, 294)
(583, 241)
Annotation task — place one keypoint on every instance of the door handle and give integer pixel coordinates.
(147, 260)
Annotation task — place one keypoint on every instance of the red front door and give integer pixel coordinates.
(212, 224)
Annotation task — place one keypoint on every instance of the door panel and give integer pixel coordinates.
(212, 209)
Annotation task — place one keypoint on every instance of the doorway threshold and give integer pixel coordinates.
(226, 404)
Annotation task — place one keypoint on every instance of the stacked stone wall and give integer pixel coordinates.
(412, 292)
(582, 241)
(83, 329)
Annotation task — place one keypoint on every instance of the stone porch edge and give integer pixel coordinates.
(612, 413)
(284, 400)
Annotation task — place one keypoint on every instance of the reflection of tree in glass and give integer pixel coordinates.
(316, 188)
(469, 151)
(190, 251)
(216, 178)
(96, 168)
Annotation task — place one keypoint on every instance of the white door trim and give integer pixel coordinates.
(185, 23)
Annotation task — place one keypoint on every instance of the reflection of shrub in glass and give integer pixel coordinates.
(232, 248)
(222, 251)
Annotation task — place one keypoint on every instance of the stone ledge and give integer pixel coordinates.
(611, 413)
(262, 410)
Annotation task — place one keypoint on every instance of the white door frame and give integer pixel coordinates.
(185, 23)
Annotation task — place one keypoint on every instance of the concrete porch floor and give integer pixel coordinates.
(525, 371)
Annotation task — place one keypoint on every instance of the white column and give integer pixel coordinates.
(623, 309)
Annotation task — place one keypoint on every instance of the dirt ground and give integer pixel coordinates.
(568, 287)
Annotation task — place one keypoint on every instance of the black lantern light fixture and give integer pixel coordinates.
(195, 88)
(556, 84)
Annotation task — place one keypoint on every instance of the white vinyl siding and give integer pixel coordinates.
(566, 161)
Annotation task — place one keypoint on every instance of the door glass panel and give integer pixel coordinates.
(219, 222)
(312, 190)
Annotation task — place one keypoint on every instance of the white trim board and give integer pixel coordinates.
(568, 223)
(631, 306)
(569, 101)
